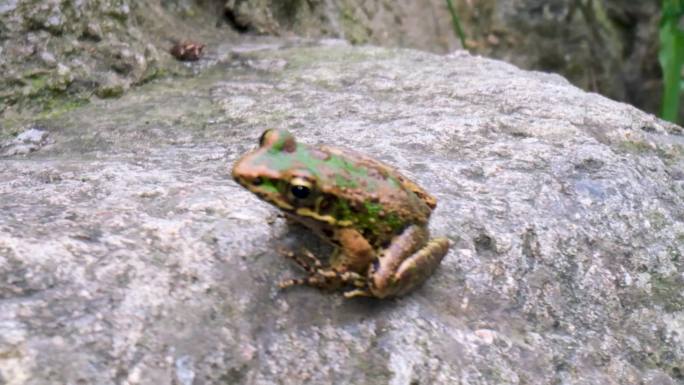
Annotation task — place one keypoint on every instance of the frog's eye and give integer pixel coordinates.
(300, 188)
(300, 192)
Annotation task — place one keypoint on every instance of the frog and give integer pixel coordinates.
(375, 218)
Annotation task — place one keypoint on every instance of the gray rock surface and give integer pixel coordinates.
(421, 24)
(605, 46)
(129, 256)
(58, 54)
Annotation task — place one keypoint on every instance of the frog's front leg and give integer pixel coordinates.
(348, 265)
(310, 264)
(327, 279)
(406, 263)
(356, 253)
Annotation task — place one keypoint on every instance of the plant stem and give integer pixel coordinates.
(456, 23)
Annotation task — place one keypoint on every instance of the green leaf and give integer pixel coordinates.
(671, 57)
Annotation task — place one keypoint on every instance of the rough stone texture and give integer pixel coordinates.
(59, 53)
(606, 46)
(129, 256)
(423, 24)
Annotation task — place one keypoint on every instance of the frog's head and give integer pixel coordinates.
(315, 182)
(283, 173)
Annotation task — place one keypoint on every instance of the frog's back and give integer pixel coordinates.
(383, 170)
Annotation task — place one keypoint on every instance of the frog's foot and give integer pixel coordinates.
(329, 279)
(311, 264)
(317, 281)
(314, 281)
(358, 293)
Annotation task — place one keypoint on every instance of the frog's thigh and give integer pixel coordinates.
(356, 253)
(404, 264)
(415, 269)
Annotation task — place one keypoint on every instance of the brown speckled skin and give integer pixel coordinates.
(375, 216)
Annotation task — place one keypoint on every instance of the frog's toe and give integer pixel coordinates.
(309, 264)
(291, 282)
(313, 260)
(357, 293)
(313, 280)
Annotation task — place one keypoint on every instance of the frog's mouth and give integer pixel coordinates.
(327, 218)
(270, 191)
(266, 190)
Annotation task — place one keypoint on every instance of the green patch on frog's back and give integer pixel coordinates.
(352, 175)
(330, 170)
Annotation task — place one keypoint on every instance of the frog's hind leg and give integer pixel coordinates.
(414, 270)
(404, 265)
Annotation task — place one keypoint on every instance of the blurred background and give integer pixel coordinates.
(55, 55)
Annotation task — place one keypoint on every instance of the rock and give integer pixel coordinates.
(424, 24)
(128, 255)
(606, 46)
(112, 86)
(38, 41)
(28, 141)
